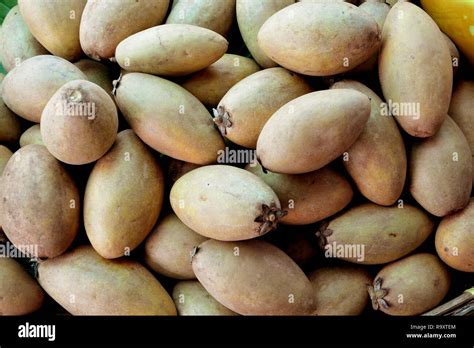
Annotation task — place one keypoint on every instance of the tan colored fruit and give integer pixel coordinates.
(10, 127)
(253, 278)
(105, 24)
(309, 132)
(28, 88)
(211, 84)
(168, 248)
(103, 287)
(5, 155)
(55, 24)
(340, 290)
(251, 15)
(79, 124)
(183, 129)
(455, 239)
(309, 197)
(16, 43)
(31, 136)
(123, 197)
(377, 161)
(176, 169)
(191, 298)
(302, 37)
(171, 50)
(247, 106)
(441, 171)
(461, 110)
(420, 91)
(20, 294)
(97, 73)
(410, 286)
(211, 14)
(370, 234)
(225, 203)
(453, 51)
(40, 204)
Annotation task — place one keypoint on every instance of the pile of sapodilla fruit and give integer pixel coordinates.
(328, 159)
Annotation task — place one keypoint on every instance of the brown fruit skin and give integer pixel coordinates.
(10, 127)
(191, 298)
(105, 24)
(455, 239)
(123, 198)
(211, 84)
(20, 294)
(28, 87)
(5, 155)
(231, 279)
(98, 73)
(309, 197)
(422, 280)
(340, 290)
(454, 52)
(411, 80)
(31, 136)
(176, 169)
(462, 105)
(55, 24)
(210, 14)
(229, 198)
(251, 15)
(103, 287)
(171, 50)
(17, 43)
(439, 183)
(189, 135)
(377, 161)
(313, 130)
(387, 233)
(32, 177)
(302, 38)
(252, 101)
(168, 248)
(79, 139)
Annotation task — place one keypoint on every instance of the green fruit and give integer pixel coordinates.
(31, 136)
(10, 127)
(253, 278)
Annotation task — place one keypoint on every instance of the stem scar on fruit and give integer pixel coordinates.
(323, 233)
(116, 84)
(269, 218)
(222, 119)
(377, 294)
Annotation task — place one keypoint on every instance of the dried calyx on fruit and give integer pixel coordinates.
(269, 218)
(377, 294)
(222, 119)
(323, 233)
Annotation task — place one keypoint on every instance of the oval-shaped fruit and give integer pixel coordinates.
(10, 127)
(55, 24)
(214, 15)
(441, 171)
(171, 50)
(123, 197)
(20, 294)
(253, 278)
(5, 155)
(28, 88)
(103, 287)
(40, 204)
(309, 132)
(168, 248)
(309, 197)
(236, 204)
(340, 290)
(370, 234)
(79, 124)
(251, 15)
(410, 286)
(17, 43)
(105, 24)
(453, 51)
(247, 106)
(211, 84)
(418, 93)
(183, 129)
(31, 136)
(462, 105)
(455, 239)
(191, 298)
(302, 37)
(98, 73)
(377, 161)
